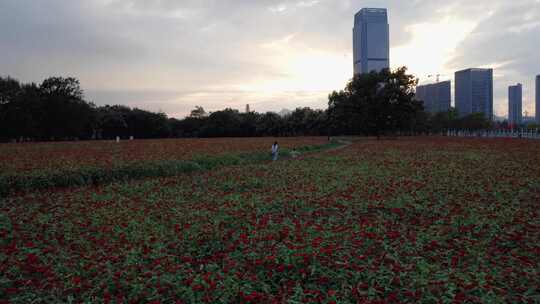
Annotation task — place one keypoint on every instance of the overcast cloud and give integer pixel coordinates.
(173, 55)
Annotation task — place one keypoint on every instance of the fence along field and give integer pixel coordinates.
(415, 220)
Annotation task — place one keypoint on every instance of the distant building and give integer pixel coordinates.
(474, 92)
(247, 109)
(436, 97)
(371, 40)
(515, 104)
(537, 109)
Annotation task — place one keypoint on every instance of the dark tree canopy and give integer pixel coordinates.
(450, 120)
(62, 87)
(9, 89)
(65, 112)
(376, 103)
(198, 112)
(57, 110)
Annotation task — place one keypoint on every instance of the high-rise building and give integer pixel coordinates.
(515, 103)
(371, 40)
(537, 109)
(436, 97)
(474, 92)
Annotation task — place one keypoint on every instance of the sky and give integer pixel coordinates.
(173, 55)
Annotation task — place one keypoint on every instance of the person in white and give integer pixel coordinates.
(275, 151)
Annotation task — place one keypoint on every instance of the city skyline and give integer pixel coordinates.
(174, 55)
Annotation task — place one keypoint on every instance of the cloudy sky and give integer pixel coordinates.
(171, 55)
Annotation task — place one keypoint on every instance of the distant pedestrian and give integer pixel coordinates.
(275, 151)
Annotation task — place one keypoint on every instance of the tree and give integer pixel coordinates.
(474, 122)
(112, 122)
(443, 121)
(62, 87)
(248, 124)
(9, 89)
(65, 112)
(305, 121)
(375, 103)
(269, 124)
(21, 110)
(225, 123)
(29, 114)
(144, 124)
(188, 127)
(198, 112)
(344, 116)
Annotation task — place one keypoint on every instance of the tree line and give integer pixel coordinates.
(373, 104)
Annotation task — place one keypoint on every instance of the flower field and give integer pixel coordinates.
(35, 157)
(32, 166)
(414, 220)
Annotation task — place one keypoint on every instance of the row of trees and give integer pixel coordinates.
(451, 120)
(231, 123)
(52, 110)
(371, 104)
(56, 110)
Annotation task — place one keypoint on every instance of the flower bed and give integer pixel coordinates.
(409, 220)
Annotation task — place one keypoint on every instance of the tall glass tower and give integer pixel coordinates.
(474, 92)
(371, 40)
(537, 109)
(515, 104)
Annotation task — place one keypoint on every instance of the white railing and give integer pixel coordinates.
(518, 133)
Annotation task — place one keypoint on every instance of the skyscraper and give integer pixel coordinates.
(537, 109)
(371, 40)
(436, 96)
(474, 92)
(515, 103)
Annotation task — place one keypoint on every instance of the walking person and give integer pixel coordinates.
(275, 151)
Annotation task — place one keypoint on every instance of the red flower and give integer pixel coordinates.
(315, 243)
(76, 280)
(32, 259)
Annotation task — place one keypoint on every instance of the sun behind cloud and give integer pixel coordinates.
(432, 46)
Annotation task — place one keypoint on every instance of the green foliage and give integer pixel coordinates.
(443, 121)
(198, 112)
(376, 103)
(53, 110)
(57, 110)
